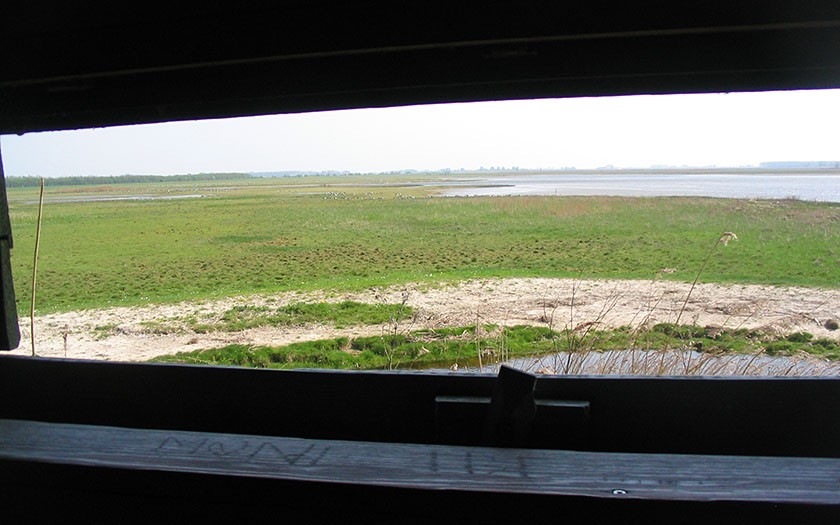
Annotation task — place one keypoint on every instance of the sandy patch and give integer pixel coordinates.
(140, 333)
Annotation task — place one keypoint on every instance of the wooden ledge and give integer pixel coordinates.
(659, 477)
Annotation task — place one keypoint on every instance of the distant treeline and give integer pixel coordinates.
(22, 182)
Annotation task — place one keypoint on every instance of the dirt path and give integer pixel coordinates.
(140, 333)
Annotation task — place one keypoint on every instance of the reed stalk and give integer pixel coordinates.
(35, 268)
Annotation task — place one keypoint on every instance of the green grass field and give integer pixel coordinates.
(347, 233)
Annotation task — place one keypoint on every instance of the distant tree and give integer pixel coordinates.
(23, 182)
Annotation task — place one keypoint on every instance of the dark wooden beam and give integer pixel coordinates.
(9, 329)
(96, 67)
(731, 416)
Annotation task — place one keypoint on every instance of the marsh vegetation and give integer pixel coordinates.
(339, 236)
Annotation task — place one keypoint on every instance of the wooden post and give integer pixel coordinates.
(512, 409)
(9, 331)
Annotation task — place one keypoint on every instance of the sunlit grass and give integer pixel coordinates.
(308, 234)
(444, 348)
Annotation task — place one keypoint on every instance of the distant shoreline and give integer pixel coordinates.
(33, 181)
(821, 186)
(658, 171)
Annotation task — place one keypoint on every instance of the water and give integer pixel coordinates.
(650, 363)
(810, 187)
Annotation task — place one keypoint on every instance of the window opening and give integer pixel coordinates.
(651, 235)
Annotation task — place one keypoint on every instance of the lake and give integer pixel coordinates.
(809, 187)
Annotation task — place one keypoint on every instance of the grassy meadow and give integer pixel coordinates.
(349, 233)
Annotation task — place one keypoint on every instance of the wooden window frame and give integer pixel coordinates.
(85, 68)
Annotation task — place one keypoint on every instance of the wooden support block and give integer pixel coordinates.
(557, 424)
(561, 425)
(512, 409)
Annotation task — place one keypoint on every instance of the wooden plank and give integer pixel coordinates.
(659, 477)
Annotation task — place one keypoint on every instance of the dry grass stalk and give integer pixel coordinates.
(648, 363)
(394, 328)
(724, 239)
(35, 269)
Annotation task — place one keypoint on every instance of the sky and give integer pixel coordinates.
(735, 129)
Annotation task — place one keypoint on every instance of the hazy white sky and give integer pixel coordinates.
(721, 129)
